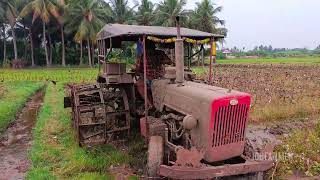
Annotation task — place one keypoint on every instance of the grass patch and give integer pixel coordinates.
(276, 110)
(92, 176)
(56, 74)
(14, 97)
(56, 153)
(302, 150)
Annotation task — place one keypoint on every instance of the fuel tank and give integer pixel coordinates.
(221, 115)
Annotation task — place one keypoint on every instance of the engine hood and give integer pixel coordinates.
(190, 97)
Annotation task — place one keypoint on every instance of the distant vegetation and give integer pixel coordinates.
(63, 32)
(269, 52)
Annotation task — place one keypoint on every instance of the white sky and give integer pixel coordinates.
(280, 23)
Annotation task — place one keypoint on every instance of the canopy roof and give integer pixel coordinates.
(133, 32)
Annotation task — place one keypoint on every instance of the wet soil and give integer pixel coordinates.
(17, 140)
(260, 135)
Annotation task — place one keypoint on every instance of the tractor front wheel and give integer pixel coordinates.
(155, 155)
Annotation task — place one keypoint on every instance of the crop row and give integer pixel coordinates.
(63, 75)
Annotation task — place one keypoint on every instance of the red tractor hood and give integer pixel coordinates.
(221, 114)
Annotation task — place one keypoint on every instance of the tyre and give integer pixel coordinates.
(257, 176)
(252, 176)
(155, 156)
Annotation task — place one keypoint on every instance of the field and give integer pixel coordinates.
(13, 96)
(302, 60)
(278, 91)
(281, 93)
(87, 75)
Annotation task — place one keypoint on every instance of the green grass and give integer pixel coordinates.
(302, 60)
(56, 153)
(14, 97)
(56, 74)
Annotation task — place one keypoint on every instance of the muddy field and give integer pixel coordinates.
(278, 91)
(17, 141)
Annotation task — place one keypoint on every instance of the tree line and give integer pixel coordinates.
(47, 32)
(269, 51)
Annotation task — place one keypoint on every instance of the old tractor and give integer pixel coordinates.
(194, 130)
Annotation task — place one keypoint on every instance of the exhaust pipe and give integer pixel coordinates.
(179, 55)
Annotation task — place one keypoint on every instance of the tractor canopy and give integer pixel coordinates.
(120, 32)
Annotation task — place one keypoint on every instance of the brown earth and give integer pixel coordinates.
(267, 83)
(278, 91)
(17, 140)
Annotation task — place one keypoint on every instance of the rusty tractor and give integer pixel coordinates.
(194, 131)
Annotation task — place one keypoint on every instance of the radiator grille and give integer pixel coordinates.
(229, 124)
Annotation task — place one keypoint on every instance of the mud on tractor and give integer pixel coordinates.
(193, 131)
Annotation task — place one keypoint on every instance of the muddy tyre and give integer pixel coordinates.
(155, 156)
(258, 176)
(251, 176)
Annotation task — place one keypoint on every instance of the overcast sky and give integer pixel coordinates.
(280, 23)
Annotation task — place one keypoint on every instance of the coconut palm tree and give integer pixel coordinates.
(85, 19)
(27, 24)
(205, 17)
(168, 10)
(121, 12)
(145, 14)
(43, 9)
(62, 11)
(10, 15)
(3, 29)
(2, 4)
(4, 36)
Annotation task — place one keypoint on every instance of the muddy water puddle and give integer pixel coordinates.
(17, 140)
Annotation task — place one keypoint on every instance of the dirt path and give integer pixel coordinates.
(17, 140)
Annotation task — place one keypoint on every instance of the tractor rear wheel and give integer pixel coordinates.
(155, 155)
(100, 114)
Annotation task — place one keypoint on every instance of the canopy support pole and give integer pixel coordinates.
(145, 81)
(99, 56)
(106, 57)
(210, 69)
(189, 56)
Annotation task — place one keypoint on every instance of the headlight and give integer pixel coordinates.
(189, 122)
